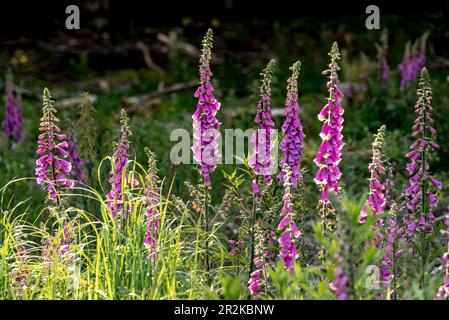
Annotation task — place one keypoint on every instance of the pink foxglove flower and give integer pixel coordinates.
(288, 252)
(52, 170)
(205, 124)
(77, 163)
(119, 176)
(292, 143)
(260, 161)
(329, 155)
(376, 197)
(421, 193)
(340, 284)
(257, 277)
(254, 282)
(152, 204)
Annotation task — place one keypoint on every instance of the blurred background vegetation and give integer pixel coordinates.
(131, 48)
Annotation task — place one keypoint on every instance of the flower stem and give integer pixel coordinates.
(423, 204)
(206, 227)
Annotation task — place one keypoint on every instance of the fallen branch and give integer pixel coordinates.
(143, 99)
(75, 101)
(147, 57)
(184, 46)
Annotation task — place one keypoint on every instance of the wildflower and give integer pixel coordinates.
(421, 192)
(20, 132)
(443, 291)
(119, 176)
(383, 69)
(260, 161)
(413, 62)
(205, 123)
(340, 284)
(391, 252)
(256, 279)
(343, 284)
(329, 154)
(292, 143)
(152, 204)
(87, 128)
(287, 226)
(254, 282)
(13, 122)
(376, 197)
(73, 150)
(21, 270)
(51, 169)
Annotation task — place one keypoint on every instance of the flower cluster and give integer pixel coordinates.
(51, 168)
(13, 122)
(329, 154)
(256, 277)
(292, 143)
(376, 197)
(343, 285)
(383, 69)
(260, 161)
(152, 204)
(413, 62)
(21, 270)
(288, 252)
(205, 124)
(443, 291)
(421, 192)
(119, 176)
(391, 252)
(73, 150)
(340, 284)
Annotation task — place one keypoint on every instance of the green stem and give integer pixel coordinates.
(253, 240)
(423, 205)
(206, 227)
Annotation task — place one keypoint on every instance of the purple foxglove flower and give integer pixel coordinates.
(292, 143)
(421, 193)
(52, 170)
(413, 62)
(205, 124)
(73, 150)
(391, 252)
(376, 197)
(119, 176)
(260, 160)
(329, 154)
(289, 230)
(13, 123)
(340, 284)
(152, 204)
(20, 132)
